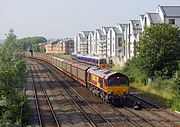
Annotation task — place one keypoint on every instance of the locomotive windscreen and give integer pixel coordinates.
(118, 81)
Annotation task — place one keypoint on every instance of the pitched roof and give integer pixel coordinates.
(136, 24)
(171, 10)
(142, 16)
(116, 30)
(106, 28)
(80, 35)
(86, 33)
(101, 33)
(123, 26)
(154, 18)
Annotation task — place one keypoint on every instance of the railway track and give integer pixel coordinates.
(163, 114)
(92, 115)
(133, 122)
(144, 122)
(46, 114)
(35, 118)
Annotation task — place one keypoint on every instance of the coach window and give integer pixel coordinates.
(96, 61)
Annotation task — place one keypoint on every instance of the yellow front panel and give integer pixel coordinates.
(118, 90)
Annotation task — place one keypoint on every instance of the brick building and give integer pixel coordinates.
(65, 46)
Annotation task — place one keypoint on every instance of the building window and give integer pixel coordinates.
(119, 42)
(172, 21)
(113, 47)
(145, 21)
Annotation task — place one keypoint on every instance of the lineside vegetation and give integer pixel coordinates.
(158, 63)
(12, 75)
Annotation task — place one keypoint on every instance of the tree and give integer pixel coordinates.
(159, 50)
(12, 75)
(28, 43)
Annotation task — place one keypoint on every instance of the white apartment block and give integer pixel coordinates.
(100, 43)
(114, 42)
(164, 14)
(81, 42)
(169, 14)
(131, 37)
(122, 28)
(91, 43)
(77, 40)
(121, 41)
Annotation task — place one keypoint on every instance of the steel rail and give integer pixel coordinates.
(158, 108)
(69, 95)
(133, 122)
(48, 101)
(36, 100)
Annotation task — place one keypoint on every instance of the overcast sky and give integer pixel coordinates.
(65, 18)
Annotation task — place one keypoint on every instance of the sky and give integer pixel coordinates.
(65, 18)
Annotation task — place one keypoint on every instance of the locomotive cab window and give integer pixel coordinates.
(118, 81)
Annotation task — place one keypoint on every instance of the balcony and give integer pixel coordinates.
(101, 49)
(101, 41)
(101, 46)
(102, 53)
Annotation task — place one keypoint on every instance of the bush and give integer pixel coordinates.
(175, 103)
(133, 72)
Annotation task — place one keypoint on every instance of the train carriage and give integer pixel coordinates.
(54, 60)
(64, 66)
(79, 72)
(74, 71)
(68, 67)
(60, 62)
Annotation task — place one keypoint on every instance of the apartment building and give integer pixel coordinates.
(131, 37)
(81, 42)
(113, 43)
(121, 41)
(65, 46)
(91, 44)
(100, 43)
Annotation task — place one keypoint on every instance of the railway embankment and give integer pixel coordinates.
(166, 97)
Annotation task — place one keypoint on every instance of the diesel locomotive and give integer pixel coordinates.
(111, 87)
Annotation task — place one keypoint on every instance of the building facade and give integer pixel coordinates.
(121, 41)
(65, 46)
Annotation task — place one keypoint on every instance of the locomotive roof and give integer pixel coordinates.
(103, 73)
(99, 72)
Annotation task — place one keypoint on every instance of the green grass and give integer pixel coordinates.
(162, 98)
(162, 92)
